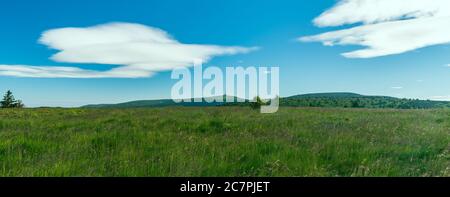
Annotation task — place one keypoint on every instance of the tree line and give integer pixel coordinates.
(365, 102)
(374, 102)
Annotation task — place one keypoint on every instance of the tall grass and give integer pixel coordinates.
(224, 141)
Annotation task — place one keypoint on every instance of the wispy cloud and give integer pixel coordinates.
(397, 87)
(387, 26)
(138, 50)
(70, 72)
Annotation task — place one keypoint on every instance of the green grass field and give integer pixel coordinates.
(224, 141)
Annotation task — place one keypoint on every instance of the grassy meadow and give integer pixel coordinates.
(224, 141)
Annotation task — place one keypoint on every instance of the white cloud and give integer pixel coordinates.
(138, 50)
(70, 72)
(397, 87)
(386, 27)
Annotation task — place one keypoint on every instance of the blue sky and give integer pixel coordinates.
(273, 26)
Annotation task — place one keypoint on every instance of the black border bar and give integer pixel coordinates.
(299, 186)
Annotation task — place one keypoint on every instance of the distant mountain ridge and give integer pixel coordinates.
(163, 103)
(334, 99)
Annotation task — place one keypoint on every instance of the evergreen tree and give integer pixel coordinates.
(9, 101)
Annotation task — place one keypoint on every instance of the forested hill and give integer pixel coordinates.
(160, 103)
(352, 100)
(344, 100)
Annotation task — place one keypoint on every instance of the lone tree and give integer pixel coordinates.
(9, 101)
(257, 103)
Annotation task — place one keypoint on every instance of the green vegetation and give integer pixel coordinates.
(351, 100)
(224, 141)
(329, 100)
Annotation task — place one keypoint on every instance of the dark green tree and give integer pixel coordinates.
(355, 104)
(257, 103)
(10, 102)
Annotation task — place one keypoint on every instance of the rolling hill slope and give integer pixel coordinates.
(161, 103)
